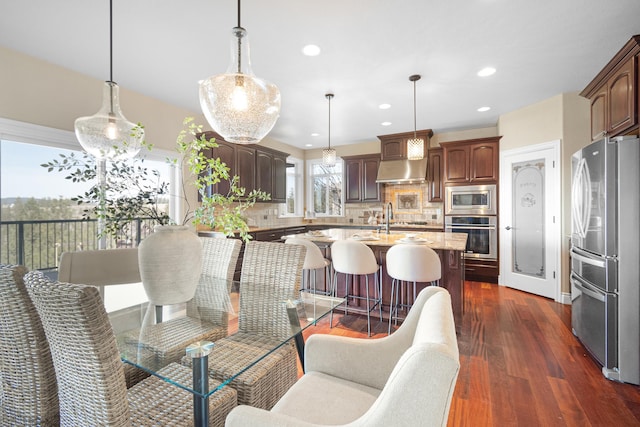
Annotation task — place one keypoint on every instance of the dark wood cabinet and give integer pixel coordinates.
(434, 175)
(613, 94)
(279, 191)
(473, 161)
(260, 168)
(394, 146)
(246, 167)
(360, 173)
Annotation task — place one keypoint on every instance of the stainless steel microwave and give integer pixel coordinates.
(471, 200)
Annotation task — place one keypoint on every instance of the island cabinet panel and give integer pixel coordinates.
(613, 94)
(453, 276)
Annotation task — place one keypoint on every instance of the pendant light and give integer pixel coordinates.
(239, 106)
(329, 154)
(415, 146)
(108, 134)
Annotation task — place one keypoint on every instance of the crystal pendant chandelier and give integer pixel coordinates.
(329, 154)
(239, 106)
(415, 145)
(108, 134)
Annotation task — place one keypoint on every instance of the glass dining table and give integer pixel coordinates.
(155, 336)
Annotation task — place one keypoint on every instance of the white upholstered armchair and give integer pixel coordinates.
(405, 379)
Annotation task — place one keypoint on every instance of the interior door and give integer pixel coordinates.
(530, 220)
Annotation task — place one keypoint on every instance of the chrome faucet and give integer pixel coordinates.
(389, 216)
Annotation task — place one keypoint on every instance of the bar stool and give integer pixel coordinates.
(410, 263)
(354, 258)
(313, 261)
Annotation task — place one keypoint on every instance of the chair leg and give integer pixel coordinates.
(393, 285)
(366, 281)
(333, 293)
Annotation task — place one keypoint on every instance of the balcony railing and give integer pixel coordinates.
(38, 244)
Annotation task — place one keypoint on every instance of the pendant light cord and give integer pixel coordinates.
(111, 55)
(239, 42)
(329, 96)
(414, 111)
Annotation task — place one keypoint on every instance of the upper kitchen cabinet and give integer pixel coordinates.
(394, 146)
(473, 161)
(360, 178)
(434, 175)
(258, 167)
(613, 94)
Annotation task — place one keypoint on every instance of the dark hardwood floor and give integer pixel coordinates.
(520, 365)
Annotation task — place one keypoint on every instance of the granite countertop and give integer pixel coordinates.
(434, 240)
(400, 226)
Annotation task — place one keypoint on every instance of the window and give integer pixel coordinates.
(325, 189)
(26, 146)
(295, 185)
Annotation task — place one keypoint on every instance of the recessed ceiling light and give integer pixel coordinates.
(384, 106)
(315, 134)
(308, 145)
(483, 109)
(487, 71)
(311, 50)
(386, 123)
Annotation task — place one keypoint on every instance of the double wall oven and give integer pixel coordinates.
(472, 209)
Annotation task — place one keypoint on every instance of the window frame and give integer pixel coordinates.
(310, 195)
(299, 190)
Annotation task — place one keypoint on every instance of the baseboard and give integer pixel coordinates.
(565, 298)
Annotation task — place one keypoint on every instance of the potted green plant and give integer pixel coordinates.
(170, 259)
(132, 190)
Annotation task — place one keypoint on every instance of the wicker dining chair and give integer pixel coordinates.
(28, 389)
(91, 382)
(271, 274)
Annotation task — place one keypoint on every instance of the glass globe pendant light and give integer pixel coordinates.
(108, 134)
(415, 145)
(239, 106)
(329, 154)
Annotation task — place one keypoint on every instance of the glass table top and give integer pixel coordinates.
(219, 309)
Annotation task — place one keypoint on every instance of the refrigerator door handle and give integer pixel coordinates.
(595, 295)
(587, 260)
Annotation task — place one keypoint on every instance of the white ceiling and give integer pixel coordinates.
(540, 48)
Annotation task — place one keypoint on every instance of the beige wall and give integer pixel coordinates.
(38, 92)
(564, 117)
(461, 135)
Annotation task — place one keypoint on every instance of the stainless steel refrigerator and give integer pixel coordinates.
(605, 254)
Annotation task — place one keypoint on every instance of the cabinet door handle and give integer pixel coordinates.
(508, 227)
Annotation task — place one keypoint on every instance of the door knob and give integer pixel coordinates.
(508, 227)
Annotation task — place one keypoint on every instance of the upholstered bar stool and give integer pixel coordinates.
(413, 263)
(313, 261)
(353, 258)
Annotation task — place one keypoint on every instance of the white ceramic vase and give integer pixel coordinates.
(170, 263)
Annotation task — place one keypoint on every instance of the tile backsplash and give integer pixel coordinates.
(410, 204)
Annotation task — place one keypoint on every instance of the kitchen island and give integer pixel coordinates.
(448, 246)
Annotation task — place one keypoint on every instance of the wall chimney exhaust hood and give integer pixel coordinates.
(402, 171)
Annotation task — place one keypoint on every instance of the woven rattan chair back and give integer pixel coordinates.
(220, 256)
(211, 300)
(28, 390)
(91, 382)
(271, 275)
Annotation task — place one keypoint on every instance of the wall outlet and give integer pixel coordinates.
(265, 216)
